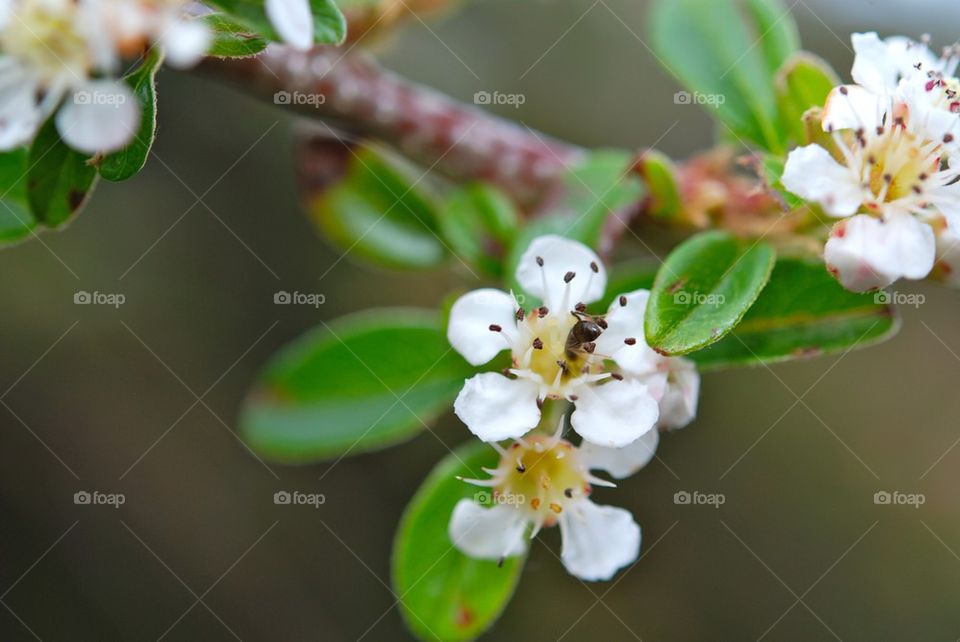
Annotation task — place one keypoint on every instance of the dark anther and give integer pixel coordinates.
(495, 328)
(540, 261)
(630, 341)
(623, 301)
(594, 267)
(537, 344)
(569, 277)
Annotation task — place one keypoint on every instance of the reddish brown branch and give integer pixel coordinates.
(350, 92)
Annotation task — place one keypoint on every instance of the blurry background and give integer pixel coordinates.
(97, 398)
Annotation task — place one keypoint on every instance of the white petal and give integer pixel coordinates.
(495, 407)
(913, 246)
(560, 257)
(880, 64)
(615, 413)
(853, 107)
(185, 42)
(626, 322)
(470, 319)
(100, 116)
(20, 115)
(621, 462)
(598, 540)
(487, 533)
(293, 21)
(678, 405)
(866, 253)
(813, 174)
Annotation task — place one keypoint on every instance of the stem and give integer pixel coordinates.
(355, 95)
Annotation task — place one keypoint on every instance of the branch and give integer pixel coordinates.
(355, 95)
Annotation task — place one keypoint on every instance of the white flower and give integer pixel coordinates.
(543, 481)
(880, 65)
(560, 352)
(293, 21)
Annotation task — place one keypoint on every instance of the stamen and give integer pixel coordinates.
(495, 328)
(537, 344)
(543, 311)
(623, 301)
(569, 277)
(630, 341)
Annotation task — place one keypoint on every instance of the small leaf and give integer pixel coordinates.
(231, 39)
(366, 381)
(124, 163)
(478, 221)
(659, 175)
(378, 211)
(803, 312)
(444, 594)
(703, 289)
(330, 27)
(59, 179)
(713, 50)
(802, 83)
(16, 219)
(776, 30)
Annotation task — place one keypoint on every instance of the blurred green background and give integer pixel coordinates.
(97, 398)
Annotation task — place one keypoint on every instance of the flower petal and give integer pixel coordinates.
(625, 322)
(487, 533)
(678, 405)
(598, 540)
(293, 21)
(185, 42)
(853, 107)
(813, 174)
(20, 115)
(621, 462)
(948, 255)
(495, 407)
(100, 116)
(470, 319)
(865, 253)
(561, 257)
(615, 413)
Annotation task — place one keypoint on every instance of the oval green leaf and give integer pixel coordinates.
(703, 289)
(727, 54)
(232, 39)
(124, 163)
(379, 212)
(329, 25)
(59, 179)
(361, 383)
(804, 81)
(803, 312)
(444, 594)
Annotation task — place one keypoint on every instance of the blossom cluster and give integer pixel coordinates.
(887, 165)
(67, 56)
(622, 393)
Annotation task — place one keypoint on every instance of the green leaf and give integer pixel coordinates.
(779, 38)
(478, 221)
(379, 212)
(329, 28)
(59, 179)
(803, 312)
(712, 48)
(803, 82)
(703, 289)
(362, 383)
(232, 39)
(446, 595)
(659, 175)
(16, 219)
(593, 191)
(124, 163)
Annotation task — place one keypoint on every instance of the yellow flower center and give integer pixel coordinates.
(43, 35)
(541, 475)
